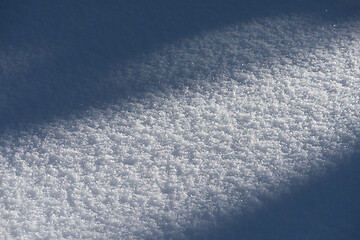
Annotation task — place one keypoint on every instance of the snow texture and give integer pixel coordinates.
(230, 117)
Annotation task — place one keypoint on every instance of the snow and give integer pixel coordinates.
(213, 127)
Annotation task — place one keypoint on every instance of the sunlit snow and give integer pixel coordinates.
(230, 117)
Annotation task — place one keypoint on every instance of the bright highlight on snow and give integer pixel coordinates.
(231, 117)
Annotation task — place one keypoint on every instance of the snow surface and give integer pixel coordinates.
(230, 117)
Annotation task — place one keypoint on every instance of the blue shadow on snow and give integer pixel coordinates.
(86, 37)
(324, 208)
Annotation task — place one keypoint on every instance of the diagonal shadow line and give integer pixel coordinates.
(86, 37)
(326, 207)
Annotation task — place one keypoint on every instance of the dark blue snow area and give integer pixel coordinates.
(326, 207)
(81, 40)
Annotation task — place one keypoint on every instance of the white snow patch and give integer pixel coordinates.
(268, 104)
